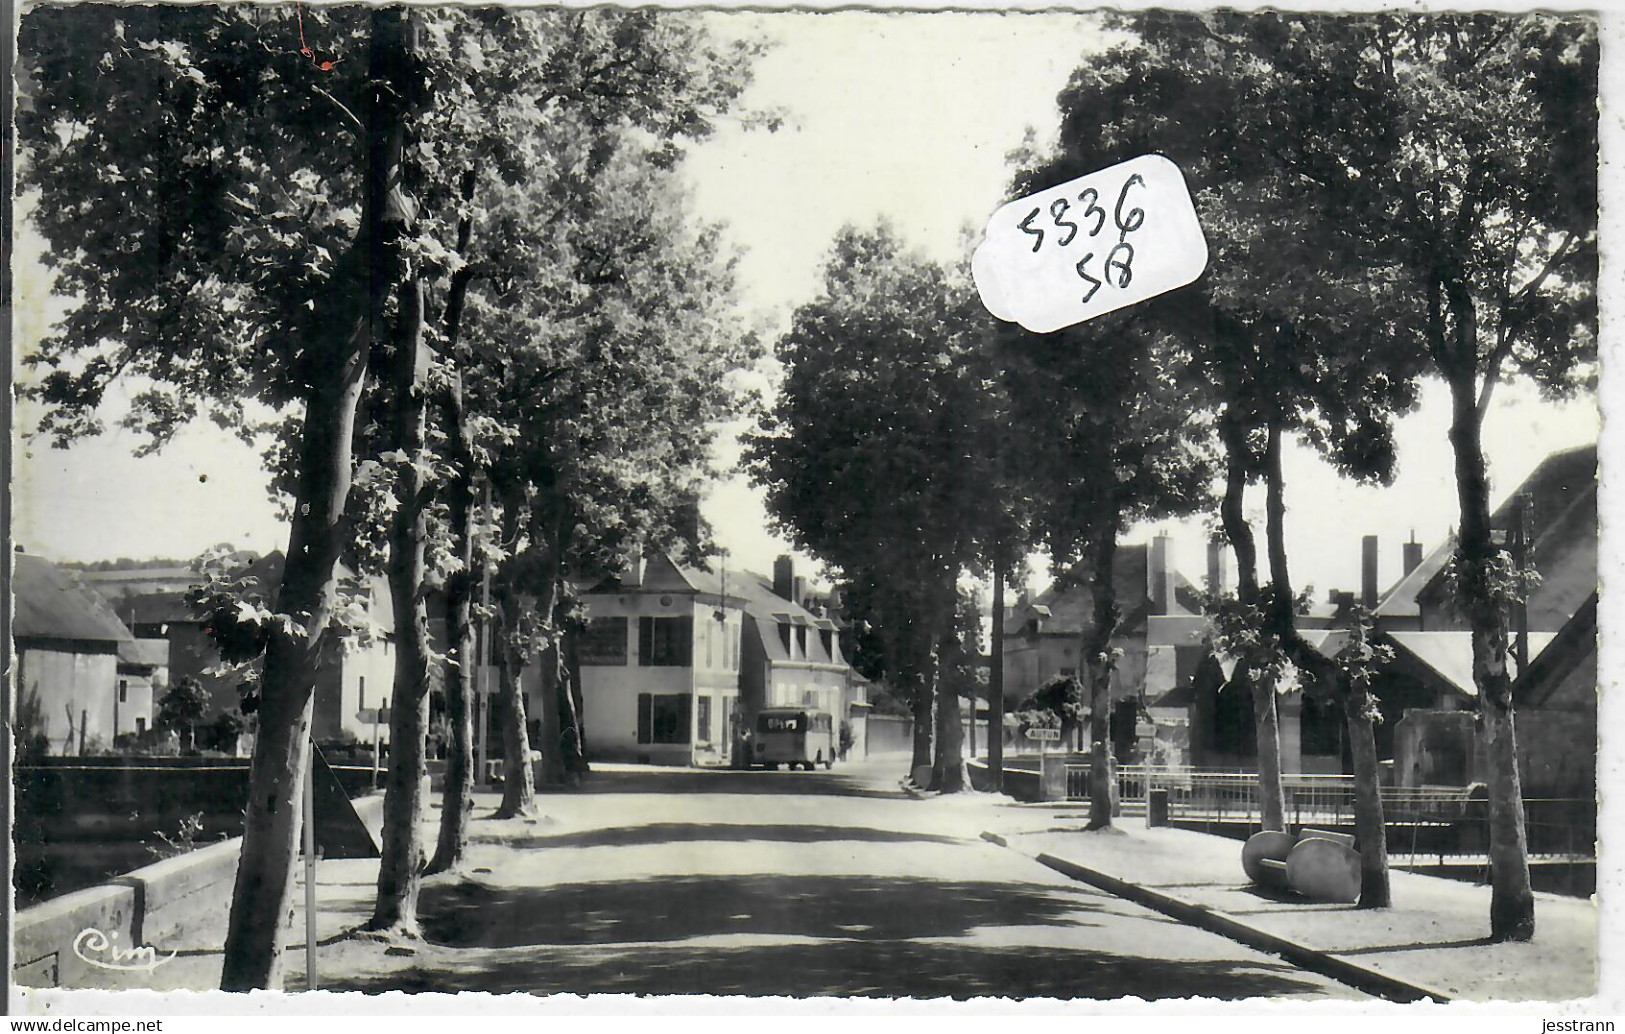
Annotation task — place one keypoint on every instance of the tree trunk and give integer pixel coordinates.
(1266, 714)
(995, 685)
(554, 694)
(518, 783)
(1096, 647)
(948, 766)
(1267, 732)
(400, 870)
(1369, 825)
(1512, 902)
(924, 687)
(257, 926)
(458, 794)
(1322, 672)
(572, 714)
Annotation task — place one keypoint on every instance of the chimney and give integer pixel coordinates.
(784, 569)
(687, 521)
(1413, 553)
(1368, 572)
(799, 584)
(1160, 573)
(632, 569)
(1218, 566)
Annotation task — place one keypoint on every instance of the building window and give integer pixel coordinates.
(710, 636)
(801, 640)
(828, 639)
(702, 720)
(663, 717)
(123, 691)
(784, 636)
(602, 642)
(666, 642)
(140, 726)
(361, 693)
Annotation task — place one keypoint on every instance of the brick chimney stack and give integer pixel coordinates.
(1413, 553)
(1218, 566)
(1368, 572)
(784, 573)
(1160, 573)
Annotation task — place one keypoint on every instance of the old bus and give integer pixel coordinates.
(793, 736)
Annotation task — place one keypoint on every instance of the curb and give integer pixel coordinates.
(1361, 978)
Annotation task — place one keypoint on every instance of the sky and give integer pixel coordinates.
(908, 117)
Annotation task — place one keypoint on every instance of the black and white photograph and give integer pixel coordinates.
(1093, 506)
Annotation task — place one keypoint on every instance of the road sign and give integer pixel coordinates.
(1089, 246)
(1044, 734)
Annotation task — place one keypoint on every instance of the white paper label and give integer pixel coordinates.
(1090, 246)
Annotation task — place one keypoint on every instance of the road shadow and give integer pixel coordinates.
(858, 968)
(692, 832)
(732, 781)
(469, 914)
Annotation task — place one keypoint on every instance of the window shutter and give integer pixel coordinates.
(645, 717)
(646, 641)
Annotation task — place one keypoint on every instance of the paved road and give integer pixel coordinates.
(789, 883)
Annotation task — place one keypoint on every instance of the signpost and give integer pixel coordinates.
(1089, 246)
(310, 865)
(375, 716)
(1044, 736)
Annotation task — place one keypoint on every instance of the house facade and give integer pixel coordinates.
(67, 641)
(351, 676)
(677, 660)
(659, 662)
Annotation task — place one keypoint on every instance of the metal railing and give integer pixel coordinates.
(1441, 822)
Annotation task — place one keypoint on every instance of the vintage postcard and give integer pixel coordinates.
(1023, 507)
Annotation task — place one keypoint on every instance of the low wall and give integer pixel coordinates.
(890, 734)
(151, 904)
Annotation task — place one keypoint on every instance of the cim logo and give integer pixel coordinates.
(102, 950)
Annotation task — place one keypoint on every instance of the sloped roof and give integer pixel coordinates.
(1576, 642)
(769, 608)
(51, 604)
(147, 653)
(1562, 490)
(1449, 655)
(1400, 599)
(1069, 609)
(157, 608)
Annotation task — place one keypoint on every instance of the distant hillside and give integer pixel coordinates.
(124, 564)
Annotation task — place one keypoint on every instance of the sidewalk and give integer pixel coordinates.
(1434, 936)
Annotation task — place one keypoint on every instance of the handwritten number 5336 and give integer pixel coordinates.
(1118, 269)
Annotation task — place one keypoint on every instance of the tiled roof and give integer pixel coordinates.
(52, 604)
